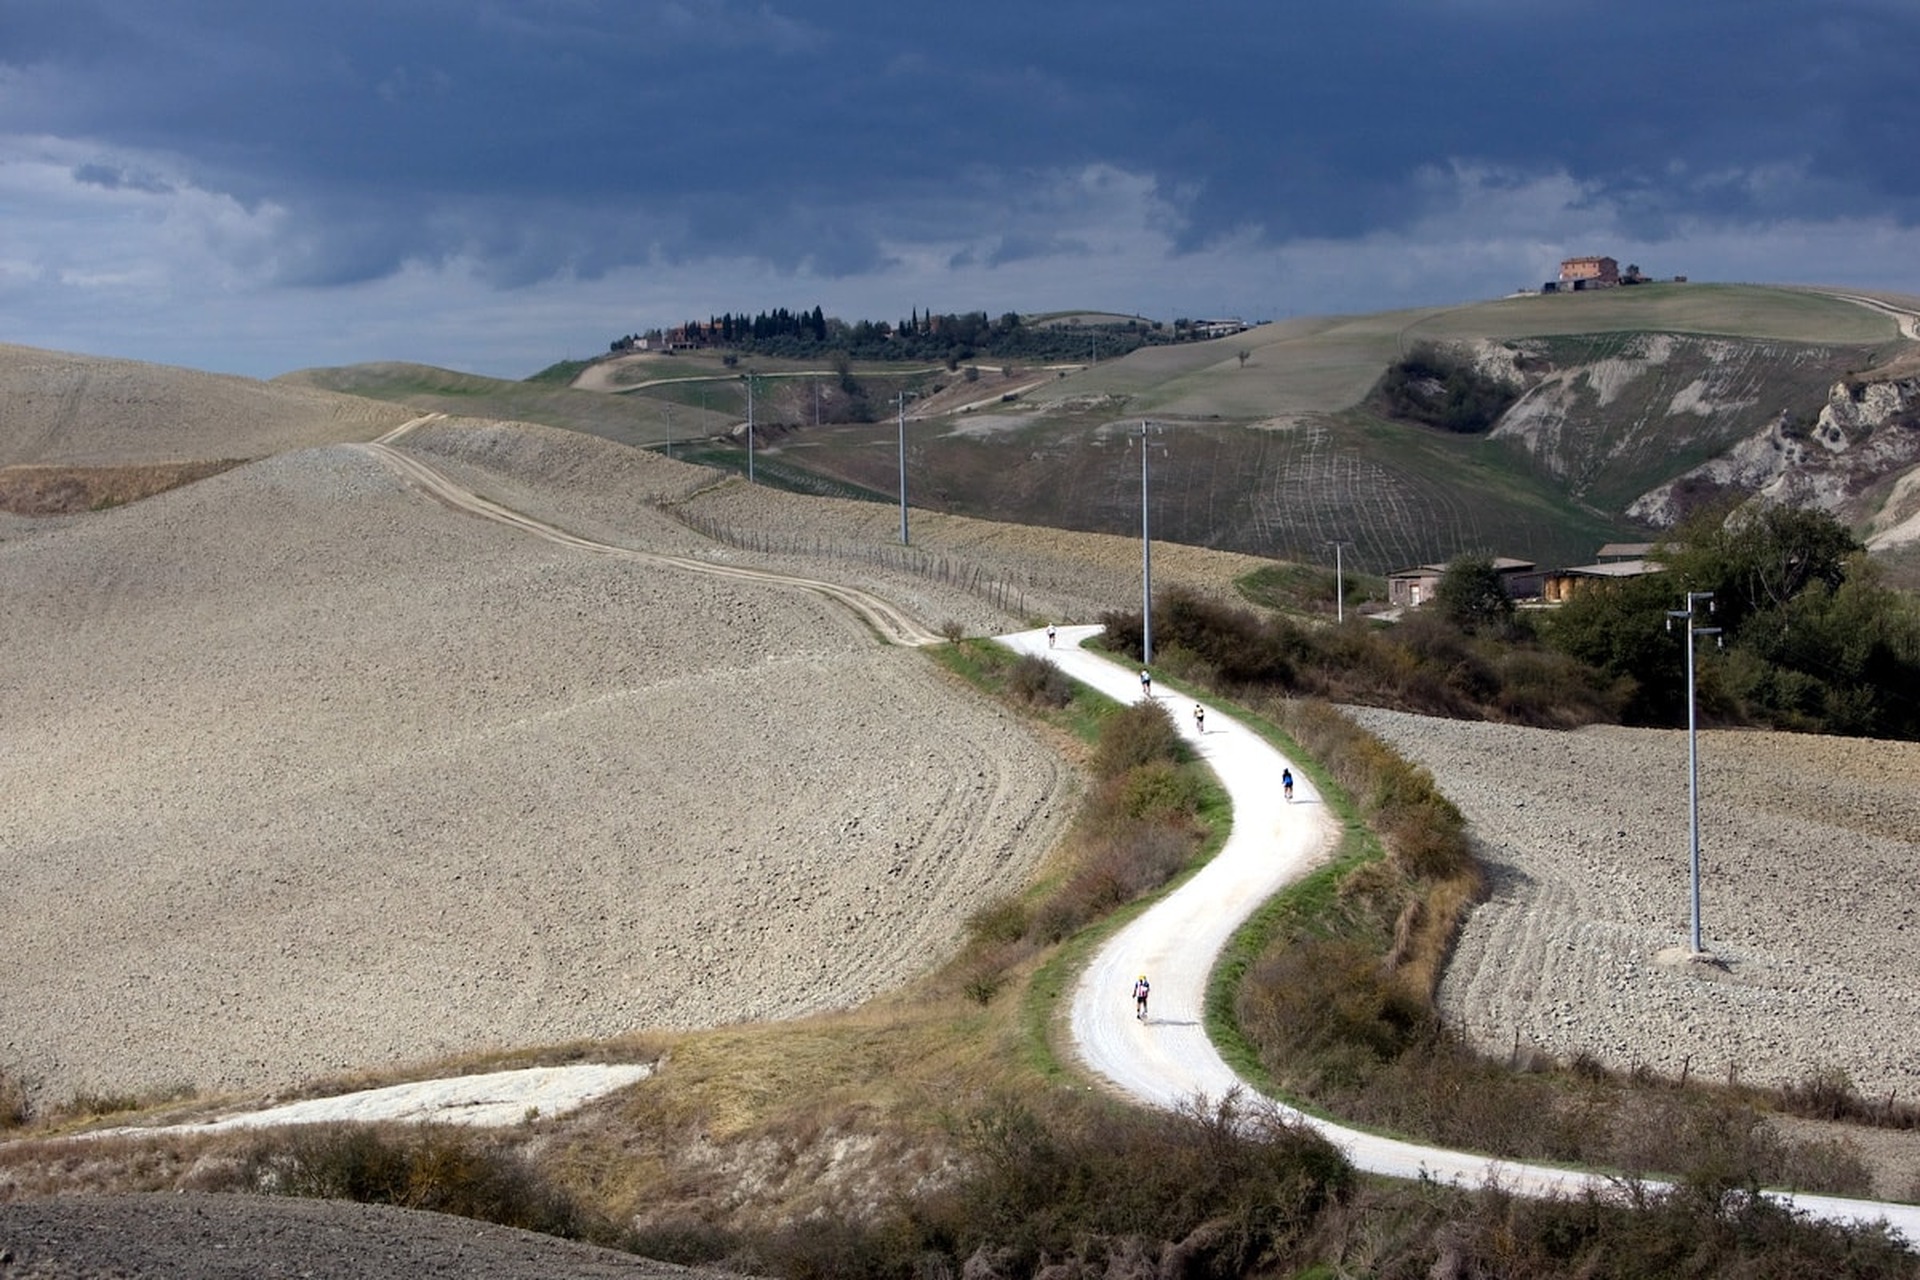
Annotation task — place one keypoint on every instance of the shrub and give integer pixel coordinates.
(439, 1168)
(1036, 681)
(16, 1102)
(1160, 793)
(1072, 1177)
(1002, 920)
(1137, 734)
(1442, 389)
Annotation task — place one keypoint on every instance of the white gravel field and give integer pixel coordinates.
(1810, 899)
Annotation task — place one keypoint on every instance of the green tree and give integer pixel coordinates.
(1758, 558)
(1620, 629)
(1472, 595)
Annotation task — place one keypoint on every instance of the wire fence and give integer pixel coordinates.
(1003, 591)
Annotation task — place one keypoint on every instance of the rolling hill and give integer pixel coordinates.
(1632, 406)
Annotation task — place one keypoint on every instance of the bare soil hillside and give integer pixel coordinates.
(1810, 864)
(153, 1237)
(87, 411)
(307, 772)
(1046, 573)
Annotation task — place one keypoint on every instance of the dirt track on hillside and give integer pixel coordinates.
(308, 773)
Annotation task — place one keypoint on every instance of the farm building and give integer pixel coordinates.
(1563, 585)
(1410, 588)
(1589, 272)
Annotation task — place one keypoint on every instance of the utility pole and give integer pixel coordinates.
(1146, 559)
(749, 377)
(1693, 753)
(1339, 582)
(903, 466)
(669, 428)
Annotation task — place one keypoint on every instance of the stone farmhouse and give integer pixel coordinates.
(1412, 587)
(1579, 274)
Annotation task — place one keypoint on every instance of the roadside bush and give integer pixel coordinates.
(1686, 1231)
(1038, 682)
(1182, 663)
(1002, 920)
(1240, 646)
(1234, 1184)
(1137, 734)
(1159, 792)
(1829, 1094)
(87, 1103)
(438, 1168)
(16, 1103)
(1127, 858)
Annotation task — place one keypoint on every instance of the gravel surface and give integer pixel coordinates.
(1808, 905)
(307, 773)
(209, 1237)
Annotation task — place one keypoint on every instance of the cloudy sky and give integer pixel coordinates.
(252, 187)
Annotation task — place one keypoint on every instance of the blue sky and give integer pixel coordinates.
(250, 187)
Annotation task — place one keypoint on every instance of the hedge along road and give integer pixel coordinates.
(1168, 1059)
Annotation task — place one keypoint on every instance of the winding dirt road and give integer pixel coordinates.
(889, 622)
(1168, 1059)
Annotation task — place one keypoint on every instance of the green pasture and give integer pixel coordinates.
(1329, 363)
(1729, 310)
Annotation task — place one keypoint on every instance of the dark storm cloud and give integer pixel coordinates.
(360, 140)
(711, 127)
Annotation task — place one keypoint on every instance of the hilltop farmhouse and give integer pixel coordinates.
(1589, 273)
(1580, 274)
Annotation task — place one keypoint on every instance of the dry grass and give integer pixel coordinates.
(59, 491)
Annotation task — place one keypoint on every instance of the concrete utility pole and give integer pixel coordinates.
(750, 479)
(1339, 582)
(1693, 753)
(903, 467)
(1146, 559)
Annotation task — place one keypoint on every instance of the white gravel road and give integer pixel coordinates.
(1169, 1059)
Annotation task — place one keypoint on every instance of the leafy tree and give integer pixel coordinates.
(1620, 629)
(1814, 640)
(1435, 386)
(1758, 558)
(1472, 595)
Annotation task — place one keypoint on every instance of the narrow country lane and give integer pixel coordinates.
(891, 623)
(1168, 1059)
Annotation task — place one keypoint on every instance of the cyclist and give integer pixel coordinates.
(1199, 718)
(1140, 989)
(1286, 782)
